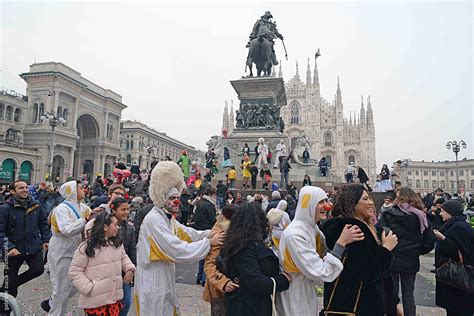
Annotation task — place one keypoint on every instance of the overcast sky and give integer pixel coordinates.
(172, 62)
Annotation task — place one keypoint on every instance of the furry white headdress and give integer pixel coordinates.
(165, 177)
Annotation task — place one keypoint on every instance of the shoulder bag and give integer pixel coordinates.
(457, 274)
(328, 310)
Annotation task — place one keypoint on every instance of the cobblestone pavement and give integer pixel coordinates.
(190, 295)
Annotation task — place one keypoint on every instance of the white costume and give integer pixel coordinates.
(302, 254)
(162, 242)
(279, 220)
(280, 152)
(67, 224)
(262, 150)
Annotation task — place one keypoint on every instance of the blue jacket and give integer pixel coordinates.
(26, 228)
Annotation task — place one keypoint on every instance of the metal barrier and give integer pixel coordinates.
(16, 310)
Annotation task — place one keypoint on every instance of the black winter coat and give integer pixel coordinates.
(367, 262)
(459, 237)
(204, 216)
(26, 228)
(253, 267)
(139, 217)
(411, 242)
(362, 175)
(221, 189)
(273, 204)
(127, 235)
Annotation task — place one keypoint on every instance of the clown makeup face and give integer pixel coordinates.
(322, 209)
(172, 204)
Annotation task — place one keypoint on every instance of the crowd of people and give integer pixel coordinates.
(120, 239)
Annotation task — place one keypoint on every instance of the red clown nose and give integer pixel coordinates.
(177, 203)
(327, 207)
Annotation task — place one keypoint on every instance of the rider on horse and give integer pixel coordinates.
(265, 29)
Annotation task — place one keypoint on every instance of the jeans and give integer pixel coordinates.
(220, 202)
(284, 179)
(231, 183)
(127, 299)
(201, 276)
(305, 160)
(35, 269)
(407, 280)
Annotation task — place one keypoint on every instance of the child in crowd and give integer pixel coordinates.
(231, 177)
(266, 175)
(96, 269)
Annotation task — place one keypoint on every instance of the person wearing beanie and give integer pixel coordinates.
(455, 241)
(163, 241)
(276, 198)
(217, 283)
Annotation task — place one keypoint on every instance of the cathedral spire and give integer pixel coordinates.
(316, 75)
(297, 75)
(308, 75)
(370, 114)
(362, 110)
(338, 93)
(231, 117)
(280, 72)
(225, 118)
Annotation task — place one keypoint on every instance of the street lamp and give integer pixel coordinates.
(456, 147)
(53, 121)
(405, 163)
(149, 148)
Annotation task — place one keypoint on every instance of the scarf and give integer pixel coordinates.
(208, 198)
(408, 209)
(451, 221)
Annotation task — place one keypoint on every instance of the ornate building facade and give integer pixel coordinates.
(326, 132)
(140, 144)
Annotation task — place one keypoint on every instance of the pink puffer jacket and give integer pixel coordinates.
(99, 279)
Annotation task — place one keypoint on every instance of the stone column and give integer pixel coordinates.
(106, 124)
(76, 107)
(71, 159)
(56, 102)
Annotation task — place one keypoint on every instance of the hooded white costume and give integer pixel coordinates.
(280, 152)
(302, 254)
(279, 220)
(67, 224)
(262, 150)
(162, 242)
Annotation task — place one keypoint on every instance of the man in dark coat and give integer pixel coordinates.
(276, 198)
(305, 155)
(24, 224)
(363, 178)
(185, 207)
(221, 190)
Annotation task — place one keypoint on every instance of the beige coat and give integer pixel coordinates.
(99, 279)
(215, 280)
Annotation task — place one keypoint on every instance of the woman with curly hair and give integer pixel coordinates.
(415, 237)
(364, 285)
(251, 264)
(96, 268)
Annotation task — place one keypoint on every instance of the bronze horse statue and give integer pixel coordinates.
(260, 53)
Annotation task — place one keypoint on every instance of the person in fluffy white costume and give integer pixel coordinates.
(163, 241)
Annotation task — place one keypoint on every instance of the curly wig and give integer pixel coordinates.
(248, 225)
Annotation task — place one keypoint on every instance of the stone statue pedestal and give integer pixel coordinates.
(258, 116)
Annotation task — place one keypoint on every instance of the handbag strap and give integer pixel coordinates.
(274, 312)
(356, 304)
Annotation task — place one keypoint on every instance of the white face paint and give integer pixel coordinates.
(171, 205)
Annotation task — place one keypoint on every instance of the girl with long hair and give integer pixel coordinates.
(364, 285)
(96, 268)
(415, 237)
(249, 263)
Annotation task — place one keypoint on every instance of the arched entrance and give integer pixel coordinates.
(26, 171)
(86, 152)
(57, 174)
(7, 171)
(107, 170)
(352, 159)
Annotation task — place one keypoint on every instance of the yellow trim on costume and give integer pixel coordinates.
(137, 303)
(68, 190)
(183, 235)
(320, 246)
(156, 253)
(54, 224)
(276, 242)
(288, 263)
(175, 311)
(305, 200)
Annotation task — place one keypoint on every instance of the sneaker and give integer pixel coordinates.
(45, 305)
